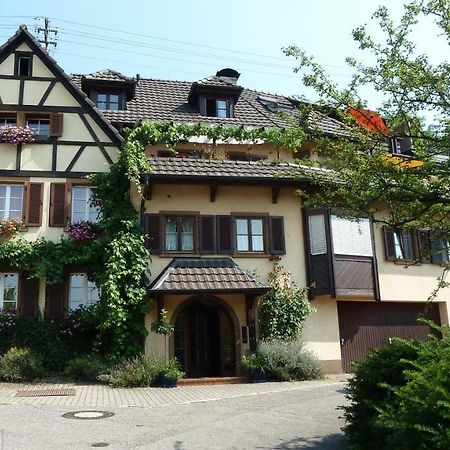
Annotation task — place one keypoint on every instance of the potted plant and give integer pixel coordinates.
(82, 231)
(12, 134)
(256, 367)
(10, 227)
(170, 374)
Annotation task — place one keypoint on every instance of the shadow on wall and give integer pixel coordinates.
(335, 441)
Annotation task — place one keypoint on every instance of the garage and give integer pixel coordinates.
(365, 325)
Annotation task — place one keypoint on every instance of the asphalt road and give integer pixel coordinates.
(297, 419)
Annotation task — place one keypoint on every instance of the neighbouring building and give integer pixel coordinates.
(218, 215)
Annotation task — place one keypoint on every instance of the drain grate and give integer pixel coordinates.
(88, 415)
(44, 392)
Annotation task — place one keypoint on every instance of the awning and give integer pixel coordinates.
(213, 275)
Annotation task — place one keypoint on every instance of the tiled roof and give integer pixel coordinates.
(208, 168)
(107, 75)
(209, 274)
(215, 80)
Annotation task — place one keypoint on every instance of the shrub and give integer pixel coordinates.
(20, 364)
(172, 370)
(286, 361)
(283, 310)
(140, 371)
(84, 368)
(368, 392)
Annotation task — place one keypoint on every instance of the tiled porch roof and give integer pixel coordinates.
(195, 275)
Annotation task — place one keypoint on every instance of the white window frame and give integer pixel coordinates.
(2, 288)
(88, 206)
(38, 129)
(88, 288)
(7, 210)
(250, 234)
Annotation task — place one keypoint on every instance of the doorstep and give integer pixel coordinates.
(211, 380)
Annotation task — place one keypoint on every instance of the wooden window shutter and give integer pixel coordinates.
(58, 205)
(33, 204)
(55, 305)
(56, 124)
(277, 245)
(29, 298)
(224, 235)
(152, 228)
(207, 234)
(424, 244)
(389, 243)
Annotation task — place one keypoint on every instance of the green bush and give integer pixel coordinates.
(84, 368)
(368, 392)
(20, 364)
(286, 361)
(140, 371)
(171, 369)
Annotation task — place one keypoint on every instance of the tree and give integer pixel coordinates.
(402, 192)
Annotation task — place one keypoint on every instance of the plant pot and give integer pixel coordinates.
(165, 382)
(258, 376)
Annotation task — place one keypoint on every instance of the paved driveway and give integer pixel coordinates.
(302, 415)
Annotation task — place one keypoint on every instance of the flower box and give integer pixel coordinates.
(10, 227)
(16, 135)
(82, 231)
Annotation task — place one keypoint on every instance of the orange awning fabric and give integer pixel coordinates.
(370, 120)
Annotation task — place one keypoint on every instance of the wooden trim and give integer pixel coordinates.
(21, 92)
(18, 157)
(75, 158)
(20, 54)
(14, 77)
(28, 187)
(54, 156)
(43, 173)
(47, 93)
(95, 137)
(42, 109)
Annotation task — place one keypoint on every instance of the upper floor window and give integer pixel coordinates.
(217, 108)
(82, 207)
(40, 126)
(82, 292)
(242, 156)
(108, 101)
(351, 237)
(23, 65)
(9, 286)
(8, 121)
(249, 235)
(11, 201)
(179, 234)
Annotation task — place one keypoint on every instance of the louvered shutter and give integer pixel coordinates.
(389, 243)
(56, 124)
(29, 299)
(276, 235)
(55, 305)
(57, 205)
(207, 233)
(224, 235)
(317, 234)
(351, 237)
(152, 228)
(33, 204)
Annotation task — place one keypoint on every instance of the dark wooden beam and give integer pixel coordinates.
(148, 190)
(212, 192)
(275, 192)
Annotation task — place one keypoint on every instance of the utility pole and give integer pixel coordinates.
(44, 32)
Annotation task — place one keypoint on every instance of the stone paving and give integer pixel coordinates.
(97, 395)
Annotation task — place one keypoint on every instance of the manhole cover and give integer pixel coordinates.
(100, 444)
(88, 415)
(44, 392)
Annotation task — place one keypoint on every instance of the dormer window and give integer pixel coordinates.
(108, 101)
(216, 107)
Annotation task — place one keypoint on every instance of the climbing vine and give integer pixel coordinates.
(117, 259)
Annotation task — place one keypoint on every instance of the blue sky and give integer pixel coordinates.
(188, 40)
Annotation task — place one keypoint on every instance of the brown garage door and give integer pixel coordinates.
(364, 325)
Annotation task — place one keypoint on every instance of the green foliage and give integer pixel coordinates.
(20, 364)
(287, 361)
(139, 371)
(84, 368)
(371, 389)
(253, 361)
(172, 370)
(161, 325)
(284, 308)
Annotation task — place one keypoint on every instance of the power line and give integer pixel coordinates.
(45, 31)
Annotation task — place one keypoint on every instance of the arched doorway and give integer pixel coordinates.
(204, 339)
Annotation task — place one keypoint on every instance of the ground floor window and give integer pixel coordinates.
(82, 292)
(9, 287)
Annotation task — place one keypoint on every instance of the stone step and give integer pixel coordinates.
(211, 380)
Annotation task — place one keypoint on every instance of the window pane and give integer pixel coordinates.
(317, 234)
(257, 243)
(40, 126)
(80, 193)
(187, 234)
(101, 98)
(351, 237)
(171, 234)
(221, 108)
(93, 293)
(242, 243)
(10, 289)
(257, 226)
(77, 291)
(242, 226)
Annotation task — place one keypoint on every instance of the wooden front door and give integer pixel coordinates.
(204, 340)
(366, 325)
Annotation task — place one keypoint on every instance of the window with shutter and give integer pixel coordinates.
(11, 201)
(82, 208)
(82, 292)
(152, 230)
(57, 205)
(401, 245)
(9, 290)
(56, 124)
